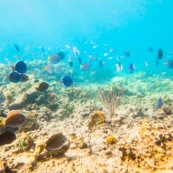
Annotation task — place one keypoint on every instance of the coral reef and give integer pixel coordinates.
(139, 138)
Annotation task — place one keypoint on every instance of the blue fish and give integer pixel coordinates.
(67, 81)
(14, 77)
(100, 63)
(42, 49)
(127, 53)
(159, 103)
(61, 54)
(131, 68)
(17, 47)
(160, 54)
(80, 60)
(20, 67)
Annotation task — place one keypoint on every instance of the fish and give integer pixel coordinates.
(55, 142)
(146, 64)
(14, 119)
(17, 56)
(100, 63)
(14, 77)
(119, 67)
(57, 70)
(121, 57)
(70, 62)
(7, 138)
(17, 47)
(105, 54)
(24, 77)
(85, 66)
(42, 49)
(43, 86)
(49, 68)
(93, 57)
(20, 67)
(159, 103)
(67, 46)
(76, 51)
(110, 58)
(127, 53)
(67, 81)
(79, 60)
(95, 46)
(61, 54)
(2, 121)
(169, 64)
(160, 54)
(54, 58)
(112, 50)
(93, 73)
(150, 49)
(131, 68)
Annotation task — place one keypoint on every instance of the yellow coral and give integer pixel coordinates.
(96, 118)
(144, 127)
(111, 140)
(39, 148)
(24, 142)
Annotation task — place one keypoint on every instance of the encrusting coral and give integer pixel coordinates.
(96, 118)
(111, 140)
(153, 150)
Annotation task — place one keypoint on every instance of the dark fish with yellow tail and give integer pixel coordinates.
(17, 47)
(14, 119)
(55, 142)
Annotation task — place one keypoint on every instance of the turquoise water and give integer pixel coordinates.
(109, 24)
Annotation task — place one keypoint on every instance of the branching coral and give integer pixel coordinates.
(110, 98)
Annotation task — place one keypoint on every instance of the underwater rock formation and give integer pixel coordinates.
(153, 150)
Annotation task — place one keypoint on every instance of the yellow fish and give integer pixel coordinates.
(49, 58)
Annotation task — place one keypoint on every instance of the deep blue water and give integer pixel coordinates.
(123, 25)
